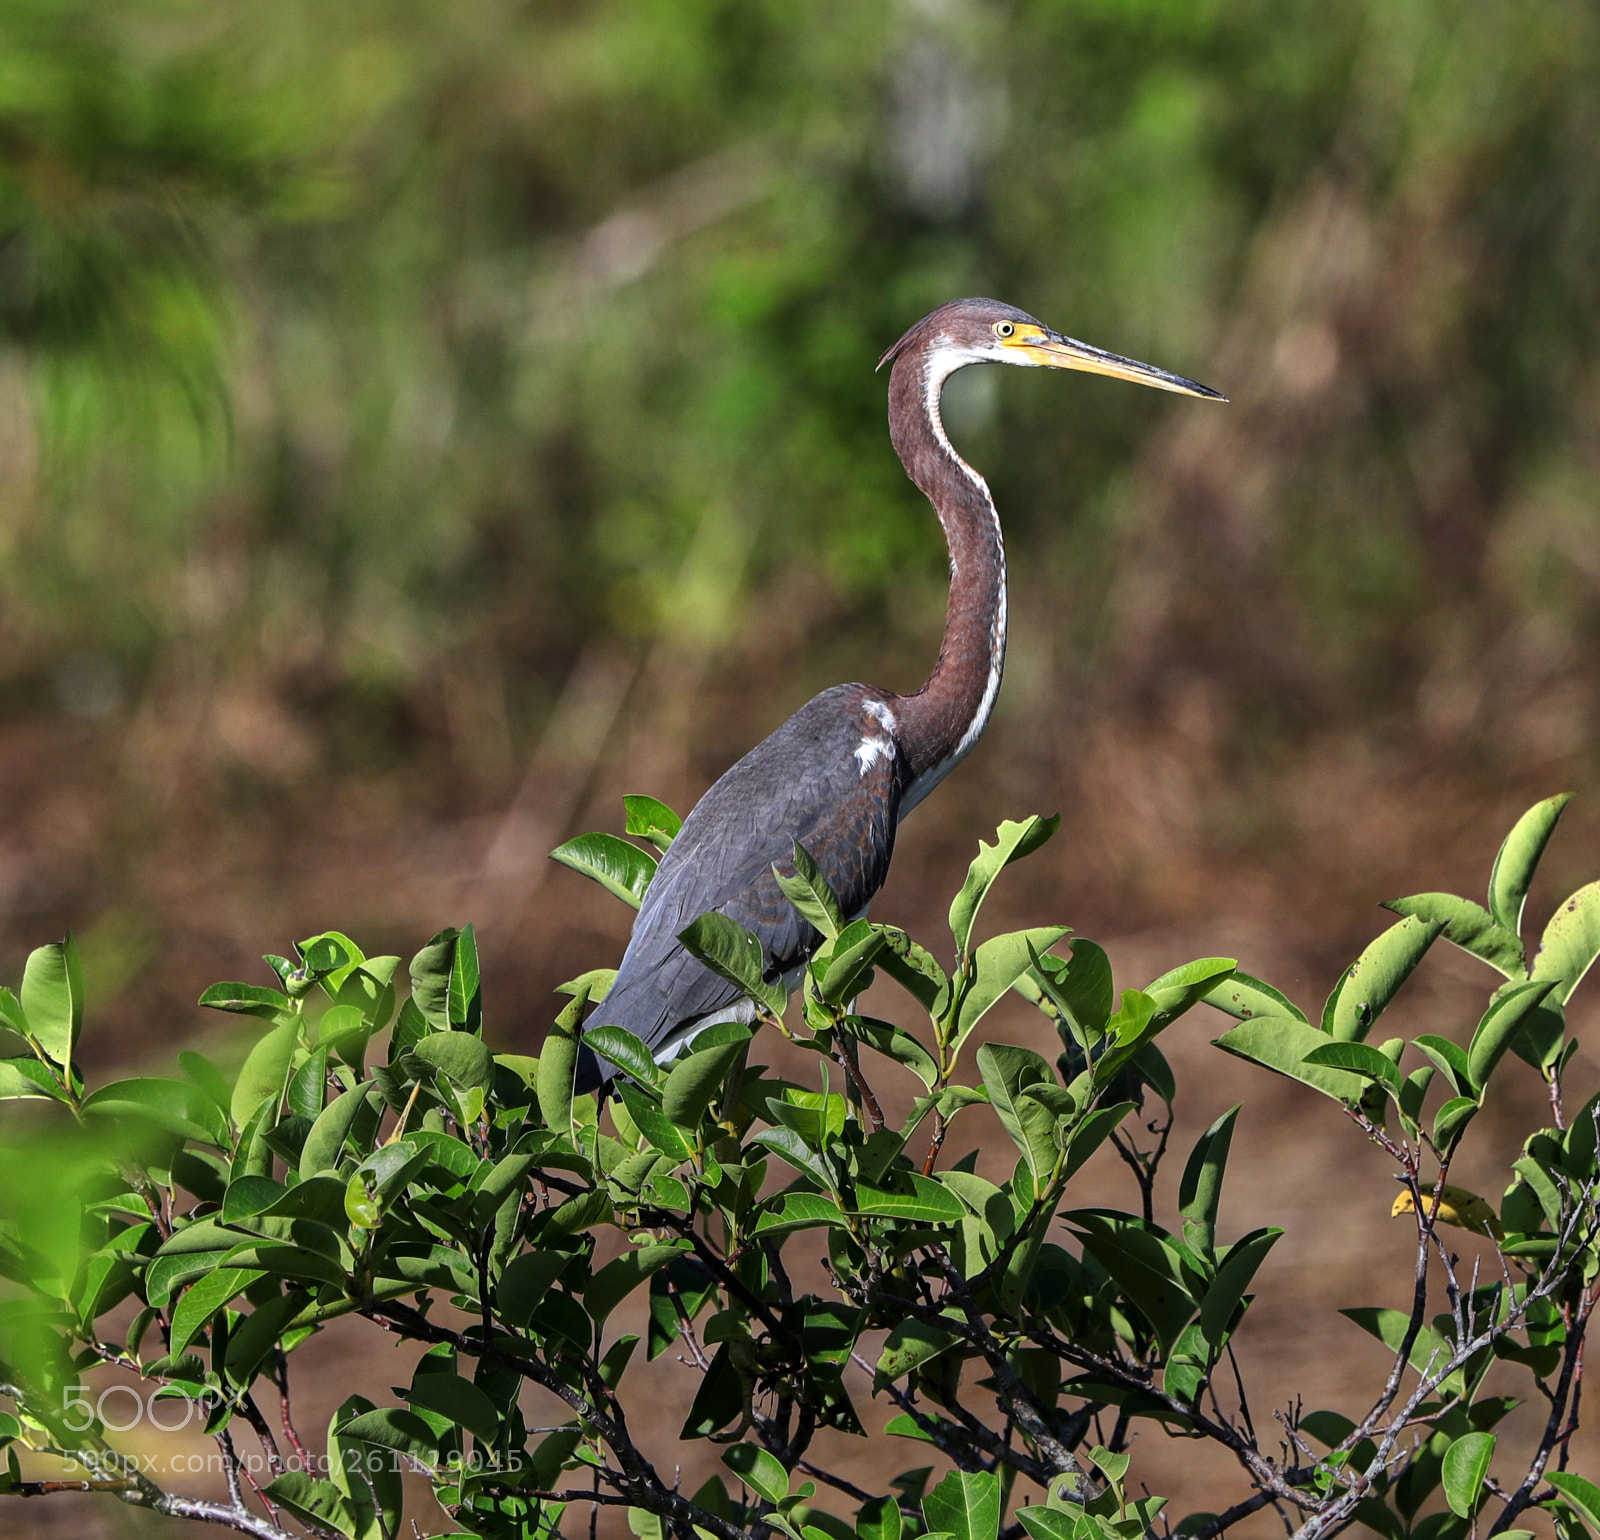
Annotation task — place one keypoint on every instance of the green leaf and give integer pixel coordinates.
(732, 953)
(1184, 987)
(1144, 1269)
(558, 1061)
(788, 1145)
(1012, 842)
(1281, 1043)
(248, 1000)
(621, 1276)
(1233, 1278)
(1007, 1071)
(325, 1143)
(1050, 1524)
(1369, 983)
(1466, 1464)
(718, 1400)
(651, 820)
(759, 1470)
(52, 997)
(623, 1049)
(966, 1505)
(1499, 1027)
(431, 969)
(808, 890)
(23, 1078)
(1581, 1493)
(1200, 1191)
(1451, 1118)
(928, 1202)
(1450, 1058)
(915, 970)
(392, 1427)
(171, 1104)
(265, 1070)
(462, 1056)
(653, 1123)
(844, 965)
(1243, 997)
(205, 1297)
(911, 1343)
(459, 1400)
(1360, 1059)
(1514, 866)
(895, 1043)
(525, 1281)
(696, 1080)
(879, 1519)
(623, 870)
(1429, 1352)
(996, 965)
(1469, 926)
(247, 1196)
(1567, 950)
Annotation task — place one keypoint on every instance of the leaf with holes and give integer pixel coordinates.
(1012, 842)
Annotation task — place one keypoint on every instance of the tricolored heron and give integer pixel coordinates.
(842, 772)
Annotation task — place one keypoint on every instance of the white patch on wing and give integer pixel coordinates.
(871, 750)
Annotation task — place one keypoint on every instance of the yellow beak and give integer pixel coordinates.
(1053, 351)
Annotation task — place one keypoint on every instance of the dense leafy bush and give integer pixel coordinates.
(197, 1232)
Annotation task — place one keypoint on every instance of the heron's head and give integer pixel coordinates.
(983, 331)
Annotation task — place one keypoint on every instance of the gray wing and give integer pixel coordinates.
(809, 781)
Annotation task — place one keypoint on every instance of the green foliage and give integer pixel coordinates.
(196, 1233)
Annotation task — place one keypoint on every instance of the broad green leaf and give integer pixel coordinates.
(966, 1505)
(1050, 1523)
(319, 1504)
(732, 953)
(911, 1343)
(651, 820)
(462, 1056)
(879, 1520)
(558, 1061)
(1567, 950)
(1012, 842)
(248, 1000)
(1007, 1071)
(1450, 1058)
(1141, 1266)
(1281, 1043)
(171, 1104)
(204, 1298)
(623, 1049)
(431, 969)
(915, 970)
(1369, 983)
(1500, 1025)
(264, 1071)
(696, 1080)
(1429, 1352)
(996, 965)
(466, 997)
(1360, 1059)
(1581, 1493)
(809, 892)
(525, 1281)
(759, 1470)
(460, 1400)
(1080, 987)
(1234, 1273)
(789, 1146)
(1184, 987)
(928, 1202)
(621, 1276)
(1200, 1191)
(22, 1078)
(1466, 1463)
(798, 1211)
(843, 965)
(52, 997)
(1091, 1134)
(248, 1195)
(259, 1333)
(325, 1143)
(1469, 926)
(1514, 866)
(1243, 997)
(658, 1129)
(895, 1043)
(623, 870)
(392, 1427)
(1452, 1117)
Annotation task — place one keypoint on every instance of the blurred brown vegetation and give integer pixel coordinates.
(424, 424)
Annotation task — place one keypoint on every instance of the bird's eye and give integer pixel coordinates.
(1003, 328)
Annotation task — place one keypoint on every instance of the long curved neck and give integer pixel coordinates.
(939, 724)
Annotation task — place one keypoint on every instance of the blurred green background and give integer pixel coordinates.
(424, 423)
